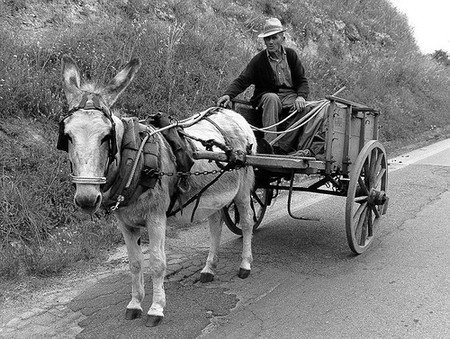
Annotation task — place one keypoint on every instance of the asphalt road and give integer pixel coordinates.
(305, 281)
(311, 286)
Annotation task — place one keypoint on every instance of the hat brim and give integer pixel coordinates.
(271, 32)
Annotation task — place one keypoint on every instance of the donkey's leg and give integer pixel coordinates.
(157, 265)
(215, 230)
(244, 209)
(136, 262)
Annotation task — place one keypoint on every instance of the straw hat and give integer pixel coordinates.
(271, 26)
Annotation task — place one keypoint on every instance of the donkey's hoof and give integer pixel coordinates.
(133, 313)
(154, 320)
(243, 273)
(206, 277)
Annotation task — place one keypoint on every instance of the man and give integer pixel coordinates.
(280, 83)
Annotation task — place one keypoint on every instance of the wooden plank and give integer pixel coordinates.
(357, 106)
(362, 133)
(329, 136)
(348, 133)
(375, 128)
(267, 160)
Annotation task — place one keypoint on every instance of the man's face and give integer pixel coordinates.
(273, 42)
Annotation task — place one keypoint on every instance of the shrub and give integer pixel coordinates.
(190, 51)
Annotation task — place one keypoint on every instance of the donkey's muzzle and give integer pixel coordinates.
(88, 203)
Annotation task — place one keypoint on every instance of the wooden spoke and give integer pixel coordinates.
(358, 212)
(378, 164)
(372, 167)
(363, 227)
(257, 199)
(362, 185)
(375, 210)
(260, 199)
(361, 221)
(370, 224)
(379, 177)
(361, 199)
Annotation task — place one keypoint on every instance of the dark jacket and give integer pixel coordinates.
(260, 73)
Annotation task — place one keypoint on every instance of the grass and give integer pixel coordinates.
(190, 52)
(41, 232)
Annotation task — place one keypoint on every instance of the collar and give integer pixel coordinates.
(283, 53)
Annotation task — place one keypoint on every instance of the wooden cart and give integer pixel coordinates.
(353, 164)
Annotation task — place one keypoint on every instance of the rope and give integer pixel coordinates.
(303, 121)
(265, 129)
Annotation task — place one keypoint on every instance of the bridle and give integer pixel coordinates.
(89, 101)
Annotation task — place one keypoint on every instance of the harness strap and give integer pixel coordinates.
(227, 140)
(83, 101)
(197, 196)
(94, 103)
(208, 144)
(138, 170)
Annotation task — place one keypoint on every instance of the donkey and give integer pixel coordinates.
(93, 136)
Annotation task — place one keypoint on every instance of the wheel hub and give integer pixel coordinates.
(376, 197)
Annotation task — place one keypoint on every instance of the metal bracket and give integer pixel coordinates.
(291, 184)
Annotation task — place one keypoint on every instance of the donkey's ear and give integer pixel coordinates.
(71, 78)
(121, 81)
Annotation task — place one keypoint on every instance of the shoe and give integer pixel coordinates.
(264, 147)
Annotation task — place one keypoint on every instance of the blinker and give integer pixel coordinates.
(63, 139)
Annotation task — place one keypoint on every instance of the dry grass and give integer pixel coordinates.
(190, 52)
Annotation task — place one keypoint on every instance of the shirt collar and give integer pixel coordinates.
(283, 53)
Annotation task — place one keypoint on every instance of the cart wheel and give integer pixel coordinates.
(366, 196)
(260, 199)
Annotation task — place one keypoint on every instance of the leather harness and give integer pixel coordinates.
(138, 168)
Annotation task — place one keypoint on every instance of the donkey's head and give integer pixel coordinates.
(90, 133)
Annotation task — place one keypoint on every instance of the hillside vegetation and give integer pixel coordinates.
(190, 50)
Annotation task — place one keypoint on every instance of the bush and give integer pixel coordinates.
(190, 51)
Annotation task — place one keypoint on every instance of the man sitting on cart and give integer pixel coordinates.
(281, 86)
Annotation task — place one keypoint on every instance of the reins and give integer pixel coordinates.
(298, 124)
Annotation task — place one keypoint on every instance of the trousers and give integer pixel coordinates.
(275, 107)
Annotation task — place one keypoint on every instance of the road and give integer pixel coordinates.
(311, 286)
(305, 281)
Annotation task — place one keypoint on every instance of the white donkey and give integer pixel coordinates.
(93, 137)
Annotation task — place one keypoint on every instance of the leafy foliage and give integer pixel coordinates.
(441, 57)
(190, 50)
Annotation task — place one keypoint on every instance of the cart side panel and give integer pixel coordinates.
(348, 136)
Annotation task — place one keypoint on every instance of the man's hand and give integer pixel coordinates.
(300, 104)
(224, 101)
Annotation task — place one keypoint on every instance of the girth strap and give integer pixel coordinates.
(197, 196)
